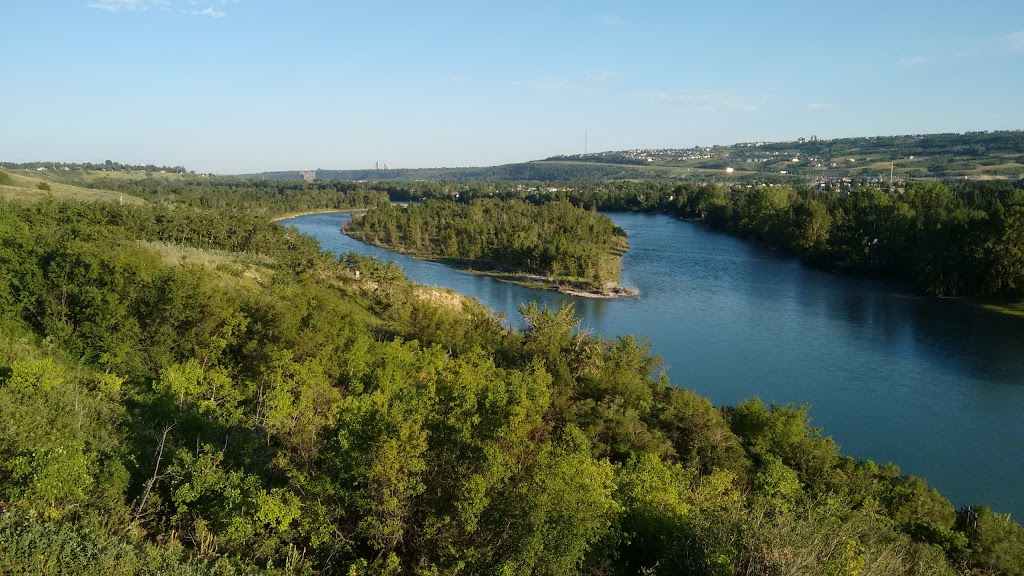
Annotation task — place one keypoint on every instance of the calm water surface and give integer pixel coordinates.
(933, 386)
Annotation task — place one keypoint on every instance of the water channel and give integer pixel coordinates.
(935, 386)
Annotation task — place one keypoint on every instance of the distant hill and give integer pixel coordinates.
(973, 155)
(542, 171)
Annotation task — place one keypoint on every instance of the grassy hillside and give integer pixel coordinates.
(972, 155)
(26, 186)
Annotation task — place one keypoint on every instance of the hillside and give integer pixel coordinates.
(972, 155)
(26, 186)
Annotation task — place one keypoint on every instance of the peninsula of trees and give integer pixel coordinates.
(553, 245)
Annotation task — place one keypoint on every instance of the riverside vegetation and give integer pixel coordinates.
(553, 245)
(957, 238)
(261, 410)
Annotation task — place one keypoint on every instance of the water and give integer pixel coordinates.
(934, 386)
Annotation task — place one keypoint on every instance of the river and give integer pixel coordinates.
(934, 386)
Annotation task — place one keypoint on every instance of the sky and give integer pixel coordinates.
(242, 86)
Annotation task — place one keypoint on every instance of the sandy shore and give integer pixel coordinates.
(308, 212)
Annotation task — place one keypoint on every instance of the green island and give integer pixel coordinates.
(554, 245)
(187, 388)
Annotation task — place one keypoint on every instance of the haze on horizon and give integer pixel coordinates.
(236, 86)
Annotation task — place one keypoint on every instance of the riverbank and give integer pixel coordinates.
(1015, 309)
(567, 286)
(310, 212)
(561, 285)
(994, 305)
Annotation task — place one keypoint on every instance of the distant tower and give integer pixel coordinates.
(586, 139)
(377, 165)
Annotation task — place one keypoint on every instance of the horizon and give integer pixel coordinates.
(249, 86)
(593, 153)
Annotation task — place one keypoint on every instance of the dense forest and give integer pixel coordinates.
(187, 391)
(555, 240)
(273, 197)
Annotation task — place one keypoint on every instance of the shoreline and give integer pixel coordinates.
(311, 212)
(536, 282)
(991, 305)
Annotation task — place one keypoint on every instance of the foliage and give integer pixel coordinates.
(158, 417)
(554, 239)
(266, 197)
(948, 239)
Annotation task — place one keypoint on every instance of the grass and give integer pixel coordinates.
(89, 176)
(233, 268)
(25, 187)
(1004, 169)
(1000, 307)
(442, 297)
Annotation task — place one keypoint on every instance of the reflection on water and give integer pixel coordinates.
(936, 386)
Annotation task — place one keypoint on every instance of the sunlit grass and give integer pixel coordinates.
(23, 187)
(232, 267)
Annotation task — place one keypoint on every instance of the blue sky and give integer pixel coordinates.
(234, 86)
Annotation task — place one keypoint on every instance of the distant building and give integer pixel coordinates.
(308, 176)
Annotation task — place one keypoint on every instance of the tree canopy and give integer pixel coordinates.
(553, 239)
(193, 391)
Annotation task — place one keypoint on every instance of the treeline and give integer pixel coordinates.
(949, 241)
(168, 418)
(271, 197)
(600, 158)
(108, 165)
(554, 239)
